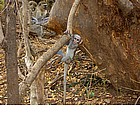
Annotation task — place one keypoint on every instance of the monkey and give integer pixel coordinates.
(67, 59)
(42, 10)
(38, 17)
(32, 8)
(37, 25)
(50, 4)
(38, 11)
(72, 46)
(33, 27)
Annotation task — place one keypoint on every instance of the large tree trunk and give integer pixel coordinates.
(111, 33)
(11, 55)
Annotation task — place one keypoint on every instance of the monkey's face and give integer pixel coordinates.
(43, 6)
(32, 5)
(51, 2)
(77, 39)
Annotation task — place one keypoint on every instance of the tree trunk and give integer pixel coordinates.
(11, 55)
(111, 35)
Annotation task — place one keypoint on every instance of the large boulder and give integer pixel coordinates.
(110, 33)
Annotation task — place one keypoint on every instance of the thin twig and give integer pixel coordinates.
(135, 81)
(55, 80)
(130, 89)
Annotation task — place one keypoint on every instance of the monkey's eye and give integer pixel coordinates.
(77, 39)
(45, 6)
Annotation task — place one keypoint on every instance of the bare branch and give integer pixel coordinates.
(71, 15)
(1, 33)
(26, 23)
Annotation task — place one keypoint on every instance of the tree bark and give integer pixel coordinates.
(110, 34)
(11, 55)
(1, 32)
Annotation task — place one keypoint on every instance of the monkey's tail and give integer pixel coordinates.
(65, 82)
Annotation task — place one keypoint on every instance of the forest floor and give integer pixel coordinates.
(86, 83)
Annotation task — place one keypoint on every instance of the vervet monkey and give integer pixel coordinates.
(42, 10)
(50, 4)
(32, 8)
(40, 17)
(67, 59)
(71, 48)
(35, 14)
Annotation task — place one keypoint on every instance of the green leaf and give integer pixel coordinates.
(91, 94)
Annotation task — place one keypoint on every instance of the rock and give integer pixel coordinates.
(105, 37)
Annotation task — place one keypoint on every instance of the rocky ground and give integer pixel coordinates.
(86, 84)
